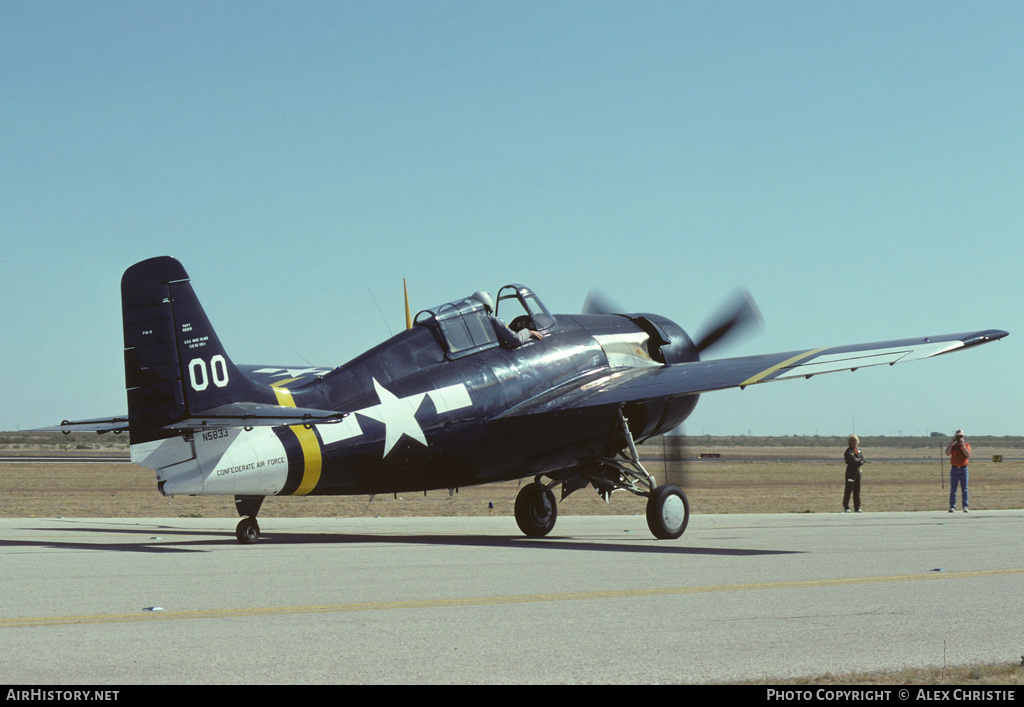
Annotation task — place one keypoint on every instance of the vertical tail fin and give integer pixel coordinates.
(175, 365)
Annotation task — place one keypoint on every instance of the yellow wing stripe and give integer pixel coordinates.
(310, 445)
(788, 362)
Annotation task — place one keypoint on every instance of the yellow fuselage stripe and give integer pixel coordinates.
(311, 455)
(284, 396)
(788, 362)
(314, 460)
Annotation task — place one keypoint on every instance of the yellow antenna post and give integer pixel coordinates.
(408, 315)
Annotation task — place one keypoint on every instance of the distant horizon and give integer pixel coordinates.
(843, 437)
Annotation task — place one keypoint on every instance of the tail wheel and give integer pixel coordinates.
(668, 512)
(247, 531)
(536, 510)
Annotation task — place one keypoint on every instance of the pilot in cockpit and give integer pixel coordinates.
(505, 335)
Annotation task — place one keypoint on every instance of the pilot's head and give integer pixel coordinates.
(853, 441)
(484, 299)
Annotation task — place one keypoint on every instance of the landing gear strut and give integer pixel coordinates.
(248, 530)
(668, 511)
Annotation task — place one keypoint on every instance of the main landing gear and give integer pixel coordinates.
(248, 530)
(668, 510)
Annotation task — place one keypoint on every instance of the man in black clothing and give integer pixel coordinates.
(854, 460)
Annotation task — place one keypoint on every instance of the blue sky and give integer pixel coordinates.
(858, 166)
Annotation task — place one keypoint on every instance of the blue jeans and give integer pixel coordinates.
(957, 474)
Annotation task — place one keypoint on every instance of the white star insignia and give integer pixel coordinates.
(398, 416)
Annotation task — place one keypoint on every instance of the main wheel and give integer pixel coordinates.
(668, 512)
(247, 531)
(536, 510)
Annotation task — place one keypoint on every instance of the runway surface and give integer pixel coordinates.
(470, 600)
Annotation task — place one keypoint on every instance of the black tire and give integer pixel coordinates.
(247, 531)
(668, 512)
(536, 510)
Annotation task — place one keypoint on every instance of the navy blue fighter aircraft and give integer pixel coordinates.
(456, 399)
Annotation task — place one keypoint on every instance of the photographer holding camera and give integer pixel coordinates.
(958, 451)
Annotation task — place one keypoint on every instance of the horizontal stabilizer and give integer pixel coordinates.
(254, 415)
(99, 425)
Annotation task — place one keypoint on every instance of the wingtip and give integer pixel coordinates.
(984, 337)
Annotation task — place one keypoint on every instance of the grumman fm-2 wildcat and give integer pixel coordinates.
(454, 400)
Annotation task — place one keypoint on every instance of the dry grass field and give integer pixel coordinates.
(750, 475)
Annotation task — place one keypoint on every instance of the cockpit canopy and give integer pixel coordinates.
(463, 326)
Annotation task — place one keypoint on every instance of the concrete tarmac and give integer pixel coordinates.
(470, 600)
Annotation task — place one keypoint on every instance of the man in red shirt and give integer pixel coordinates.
(958, 451)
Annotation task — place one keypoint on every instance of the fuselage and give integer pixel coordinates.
(419, 418)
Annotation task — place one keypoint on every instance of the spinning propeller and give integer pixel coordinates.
(737, 315)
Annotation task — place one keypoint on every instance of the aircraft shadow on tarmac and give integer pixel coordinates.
(598, 544)
(166, 539)
(156, 545)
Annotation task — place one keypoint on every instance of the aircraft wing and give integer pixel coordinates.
(627, 385)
